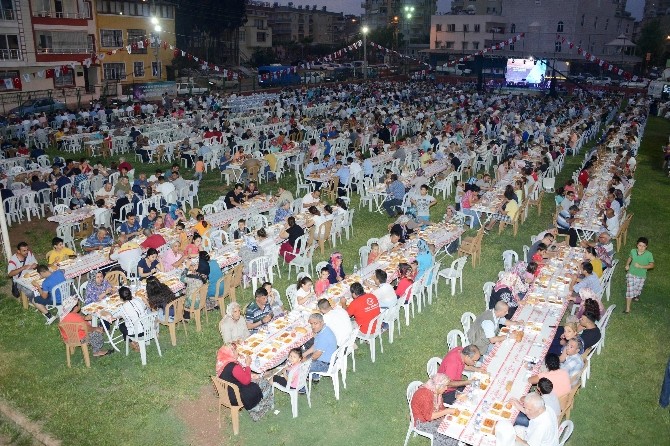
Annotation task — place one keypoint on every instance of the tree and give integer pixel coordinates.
(652, 40)
(263, 56)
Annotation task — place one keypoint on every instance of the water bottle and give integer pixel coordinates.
(355, 269)
(478, 421)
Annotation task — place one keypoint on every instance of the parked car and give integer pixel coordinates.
(222, 82)
(189, 89)
(37, 105)
(635, 84)
(599, 80)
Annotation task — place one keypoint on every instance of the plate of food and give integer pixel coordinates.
(488, 426)
(301, 330)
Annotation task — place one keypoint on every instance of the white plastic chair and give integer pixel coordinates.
(603, 323)
(148, 325)
(487, 288)
(407, 303)
(333, 371)
(432, 366)
(291, 295)
(526, 250)
(302, 383)
(391, 316)
(303, 261)
(455, 273)
(372, 335)
(363, 253)
(606, 279)
(411, 389)
(466, 321)
(510, 258)
(456, 338)
(565, 432)
(259, 270)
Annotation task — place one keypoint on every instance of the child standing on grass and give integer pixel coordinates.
(639, 261)
(199, 169)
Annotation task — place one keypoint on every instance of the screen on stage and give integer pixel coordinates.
(525, 70)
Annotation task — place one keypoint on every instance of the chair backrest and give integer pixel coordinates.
(61, 209)
(466, 320)
(510, 257)
(455, 338)
(176, 307)
(70, 333)
(458, 264)
(371, 241)
(488, 288)
(432, 365)
(291, 292)
(526, 249)
(222, 388)
(259, 267)
(318, 268)
(565, 432)
(116, 278)
(148, 325)
(411, 390)
(363, 253)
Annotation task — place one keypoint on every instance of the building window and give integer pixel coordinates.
(627, 24)
(451, 28)
(607, 24)
(465, 45)
(475, 45)
(260, 37)
(559, 28)
(4, 74)
(243, 35)
(557, 46)
(583, 16)
(7, 10)
(466, 28)
(438, 43)
(438, 27)
(510, 47)
(41, 8)
(111, 38)
(64, 80)
(595, 23)
(259, 23)
(114, 71)
(512, 28)
(9, 47)
(156, 69)
(449, 45)
(61, 42)
(477, 27)
(138, 69)
(135, 36)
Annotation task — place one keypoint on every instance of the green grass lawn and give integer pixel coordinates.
(118, 401)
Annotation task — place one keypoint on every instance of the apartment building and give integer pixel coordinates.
(256, 33)
(300, 23)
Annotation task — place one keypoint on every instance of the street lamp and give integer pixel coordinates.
(409, 12)
(365, 31)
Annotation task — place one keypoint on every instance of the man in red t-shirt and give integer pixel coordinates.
(153, 240)
(363, 308)
(454, 363)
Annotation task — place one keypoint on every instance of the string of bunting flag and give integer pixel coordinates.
(497, 46)
(601, 62)
(379, 47)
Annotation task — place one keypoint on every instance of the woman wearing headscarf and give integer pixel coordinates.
(256, 394)
(174, 216)
(283, 211)
(428, 409)
(508, 289)
(335, 269)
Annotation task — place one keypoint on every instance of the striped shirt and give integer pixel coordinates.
(131, 312)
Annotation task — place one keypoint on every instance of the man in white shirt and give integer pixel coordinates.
(388, 242)
(106, 191)
(611, 222)
(337, 319)
(543, 427)
(311, 199)
(384, 291)
(164, 187)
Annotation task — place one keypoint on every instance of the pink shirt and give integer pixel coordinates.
(321, 286)
(168, 260)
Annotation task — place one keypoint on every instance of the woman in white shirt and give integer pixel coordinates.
(304, 295)
(132, 311)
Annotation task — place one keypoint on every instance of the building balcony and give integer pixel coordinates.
(74, 50)
(61, 15)
(10, 54)
(7, 14)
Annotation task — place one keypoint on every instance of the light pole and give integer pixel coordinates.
(157, 29)
(365, 31)
(409, 12)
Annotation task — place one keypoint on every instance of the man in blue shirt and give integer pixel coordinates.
(48, 295)
(259, 312)
(325, 344)
(589, 281)
(395, 191)
(368, 170)
(98, 241)
(311, 167)
(149, 220)
(564, 224)
(131, 227)
(343, 174)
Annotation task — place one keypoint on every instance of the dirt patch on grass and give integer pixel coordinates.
(200, 416)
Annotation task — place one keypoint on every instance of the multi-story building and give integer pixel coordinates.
(590, 25)
(656, 8)
(385, 13)
(256, 33)
(133, 23)
(41, 35)
(298, 24)
(478, 7)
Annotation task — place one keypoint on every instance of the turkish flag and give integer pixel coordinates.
(50, 73)
(17, 83)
